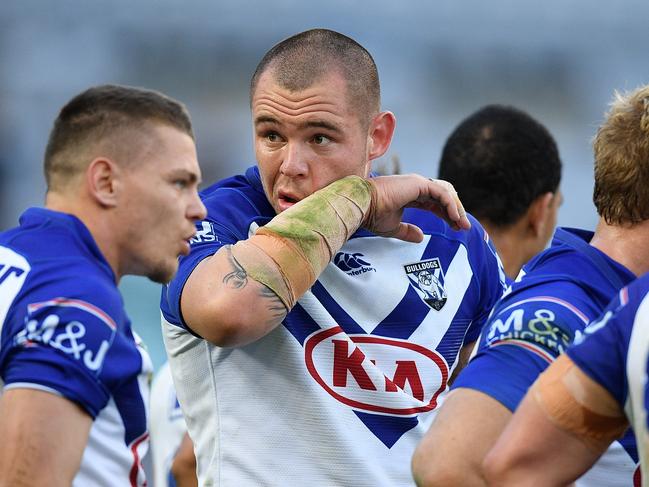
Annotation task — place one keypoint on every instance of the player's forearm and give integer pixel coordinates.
(302, 240)
(244, 291)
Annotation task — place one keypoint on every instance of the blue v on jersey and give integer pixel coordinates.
(64, 331)
(345, 388)
(560, 292)
(615, 353)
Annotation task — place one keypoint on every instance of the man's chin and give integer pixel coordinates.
(163, 274)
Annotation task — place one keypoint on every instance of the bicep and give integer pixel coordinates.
(464, 429)
(534, 451)
(564, 424)
(224, 305)
(47, 435)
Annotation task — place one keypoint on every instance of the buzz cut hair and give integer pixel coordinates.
(621, 149)
(105, 117)
(500, 160)
(305, 58)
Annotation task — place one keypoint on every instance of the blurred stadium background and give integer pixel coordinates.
(438, 62)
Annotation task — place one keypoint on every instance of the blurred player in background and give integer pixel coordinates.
(585, 400)
(588, 397)
(121, 199)
(506, 168)
(304, 347)
(169, 434)
(562, 290)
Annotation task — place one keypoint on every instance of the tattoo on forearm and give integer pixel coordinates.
(238, 278)
(276, 308)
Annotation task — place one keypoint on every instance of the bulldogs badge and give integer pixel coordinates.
(427, 278)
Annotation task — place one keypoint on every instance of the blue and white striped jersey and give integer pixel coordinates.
(343, 391)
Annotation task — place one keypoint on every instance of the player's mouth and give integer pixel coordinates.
(185, 246)
(286, 200)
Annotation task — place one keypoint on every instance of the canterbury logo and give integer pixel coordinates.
(352, 264)
(204, 233)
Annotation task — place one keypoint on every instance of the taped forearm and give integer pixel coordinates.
(289, 253)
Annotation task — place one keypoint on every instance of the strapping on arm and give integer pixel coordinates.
(289, 253)
(578, 405)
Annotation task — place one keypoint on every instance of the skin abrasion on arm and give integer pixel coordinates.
(289, 253)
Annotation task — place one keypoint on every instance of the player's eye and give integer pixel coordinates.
(320, 139)
(272, 137)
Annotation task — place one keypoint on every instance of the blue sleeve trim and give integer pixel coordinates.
(45, 367)
(504, 373)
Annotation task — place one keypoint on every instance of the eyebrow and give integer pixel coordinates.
(266, 119)
(309, 124)
(322, 124)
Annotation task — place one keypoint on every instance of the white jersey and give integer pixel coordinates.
(344, 389)
(166, 425)
(637, 373)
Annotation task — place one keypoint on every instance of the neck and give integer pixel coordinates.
(99, 226)
(628, 245)
(511, 248)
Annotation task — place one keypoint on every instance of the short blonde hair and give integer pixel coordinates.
(621, 149)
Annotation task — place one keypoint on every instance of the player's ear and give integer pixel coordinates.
(102, 181)
(540, 214)
(380, 134)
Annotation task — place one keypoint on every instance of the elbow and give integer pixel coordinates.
(225, 325)
(495, 469)
(219, 333)
(434, 471)
(421, 471)
(219, 330)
